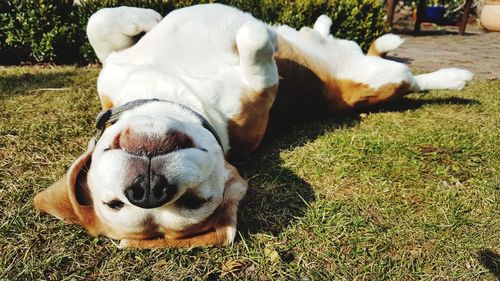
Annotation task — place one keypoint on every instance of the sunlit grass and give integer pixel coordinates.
(408, 191)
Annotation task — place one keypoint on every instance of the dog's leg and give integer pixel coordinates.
(380, 47)
(321, 34)
(366, 81)
(323, 25)
(384, 44)
(356, 95)
(256, 46)
(446, 78)
(115, 29)
(359, 96)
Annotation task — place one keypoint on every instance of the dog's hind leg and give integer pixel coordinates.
(446, 78)
(115, 29)
(380, 47)
(356, 95)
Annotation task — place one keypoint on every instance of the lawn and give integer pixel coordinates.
(408, 191)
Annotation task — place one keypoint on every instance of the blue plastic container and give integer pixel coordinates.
(434, 13)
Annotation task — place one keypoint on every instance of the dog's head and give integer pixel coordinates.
(151, 176)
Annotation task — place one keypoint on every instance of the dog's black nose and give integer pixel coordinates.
(150, 192)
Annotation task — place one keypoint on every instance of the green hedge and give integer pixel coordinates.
(53, 31)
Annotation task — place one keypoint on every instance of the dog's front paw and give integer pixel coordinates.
(121, 21)
(256, 41)
(388, 42)
(256, 46)
(137, 20)
(114, 29)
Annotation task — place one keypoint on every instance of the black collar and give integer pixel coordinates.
(112, 115)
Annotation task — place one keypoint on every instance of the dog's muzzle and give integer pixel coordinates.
(150, 191)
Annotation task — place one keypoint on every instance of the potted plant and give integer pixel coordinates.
(490, 15)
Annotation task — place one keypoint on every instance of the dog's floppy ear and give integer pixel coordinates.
(69, 198)
(234, 190)
(235, 187)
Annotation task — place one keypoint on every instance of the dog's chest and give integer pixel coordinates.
(193, 61)
(183, 59)
(124, 83)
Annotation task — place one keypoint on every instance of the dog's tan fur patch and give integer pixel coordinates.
(247, 128)
(311, 84)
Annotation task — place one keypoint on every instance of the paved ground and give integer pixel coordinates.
(477, 51)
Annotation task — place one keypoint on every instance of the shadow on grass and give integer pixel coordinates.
(491, 261)
(276, 195)
(406, 103)
(400, 59)
(28, 83)
(447, 31)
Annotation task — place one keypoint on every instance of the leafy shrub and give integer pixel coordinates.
(54, 30)
(361, 21)
(41, 30)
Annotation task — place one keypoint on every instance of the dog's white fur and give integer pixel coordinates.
(208, 57)
(388, 42)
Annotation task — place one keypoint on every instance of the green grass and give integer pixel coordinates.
(408, 191)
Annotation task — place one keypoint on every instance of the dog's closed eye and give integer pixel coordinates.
(115, 204)
(190, 200)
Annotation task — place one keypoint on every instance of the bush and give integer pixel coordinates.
(42, 30)
(54, 30)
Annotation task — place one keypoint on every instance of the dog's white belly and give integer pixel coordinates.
(124, 83)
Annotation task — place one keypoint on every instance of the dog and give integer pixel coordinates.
(201, 87)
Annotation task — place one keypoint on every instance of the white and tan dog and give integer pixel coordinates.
(195, 90)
